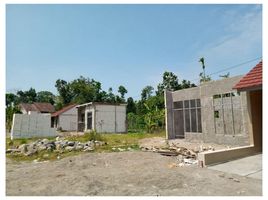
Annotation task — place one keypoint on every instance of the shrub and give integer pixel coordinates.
(93, 135)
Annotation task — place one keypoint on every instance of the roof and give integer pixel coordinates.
(28, 107)
(252, 80)
(39, 107)
(44, 107)
(64, 109)
(101, 103)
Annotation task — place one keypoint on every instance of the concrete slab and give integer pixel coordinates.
(250, 166)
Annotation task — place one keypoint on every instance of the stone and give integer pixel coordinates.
(23, 148)
(69, 148)
(45, 141)
(89, 149)
(31, 152)
(79, 147)
(71, 143)
(41, 148)
(13, 151)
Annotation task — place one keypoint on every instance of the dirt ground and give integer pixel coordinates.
(122, 173)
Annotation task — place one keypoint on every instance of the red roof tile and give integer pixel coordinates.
(64, 109)
(251, 80)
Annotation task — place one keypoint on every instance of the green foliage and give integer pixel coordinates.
(202, 75)
(93, 136)
(147, 92)
(46, 97)
(23, 141)
(122, 91)
(154, 118)
(131, 106)
(170, 82)
(27, 96)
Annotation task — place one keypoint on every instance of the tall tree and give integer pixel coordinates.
(202, 75)
(169, 82)
(28, 96)
(64, 91)
(131, 106)
(122, 91)
(11, 99)
(147, 92)
(45, 96)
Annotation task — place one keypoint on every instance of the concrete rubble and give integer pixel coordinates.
(185, 156)
(58, 145)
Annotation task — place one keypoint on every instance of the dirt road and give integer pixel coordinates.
(122, 173)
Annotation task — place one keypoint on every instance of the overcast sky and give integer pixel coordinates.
(130, 45)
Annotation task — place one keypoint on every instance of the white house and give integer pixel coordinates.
(102, 117)
(65, 119)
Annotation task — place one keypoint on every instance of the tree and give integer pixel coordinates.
(169, 82)
(45, 96)
(64, 91)
(131, 106)
(110, 96)
(27, 96)
(11, 99)
(122, 91)
(186, 84)
(147, 92)
(202, 75)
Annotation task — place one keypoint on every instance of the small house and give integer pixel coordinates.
(36, 107)
(65, 119)
(101, 117)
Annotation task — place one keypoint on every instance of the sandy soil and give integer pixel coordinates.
(122, 173)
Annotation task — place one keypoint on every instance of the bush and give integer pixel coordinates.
(93, 135)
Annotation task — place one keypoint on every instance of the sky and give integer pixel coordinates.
(129, 45)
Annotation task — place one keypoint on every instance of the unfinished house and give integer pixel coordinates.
(212, 112)
(65, 119)
(101, 117)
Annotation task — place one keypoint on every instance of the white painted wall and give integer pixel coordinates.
(34, 125)
(68, 120)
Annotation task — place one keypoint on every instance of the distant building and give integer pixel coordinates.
(27, 108)
(102, 117)
(65, 119)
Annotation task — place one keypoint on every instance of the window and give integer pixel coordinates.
(216, 114)
(191, 113)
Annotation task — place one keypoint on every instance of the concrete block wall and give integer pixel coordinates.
(68, 120)
(107, 118)
(34, 125)
(205, 93)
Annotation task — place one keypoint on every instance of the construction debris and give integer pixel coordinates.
(185, 157)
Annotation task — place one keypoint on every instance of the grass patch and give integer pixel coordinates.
(114, 141)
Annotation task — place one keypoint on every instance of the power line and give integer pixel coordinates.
(223, 70)
(232, 67)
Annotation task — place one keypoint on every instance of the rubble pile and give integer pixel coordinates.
(59, 145)
(184, 155)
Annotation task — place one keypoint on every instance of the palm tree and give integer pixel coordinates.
(202, 60)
